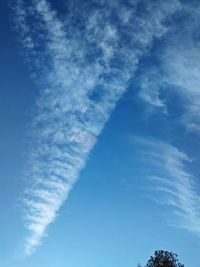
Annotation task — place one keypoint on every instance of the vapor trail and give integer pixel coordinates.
(82, 64)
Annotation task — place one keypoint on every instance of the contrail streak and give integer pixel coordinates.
(83, 65)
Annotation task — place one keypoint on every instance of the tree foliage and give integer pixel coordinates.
(164, 259)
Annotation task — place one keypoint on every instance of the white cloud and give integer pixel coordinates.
(178, 67)
(83, 74)
(151, 84)
(175, 184)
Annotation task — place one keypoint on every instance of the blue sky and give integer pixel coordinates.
(99, 140)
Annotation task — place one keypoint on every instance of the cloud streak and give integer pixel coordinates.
(83, 69)
(177, 68)
(175, 185)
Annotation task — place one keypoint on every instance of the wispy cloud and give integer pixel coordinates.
(151, 84)
(167, 170)
(83, 69)
(178, 67)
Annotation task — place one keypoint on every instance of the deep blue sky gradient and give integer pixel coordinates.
(110, 218)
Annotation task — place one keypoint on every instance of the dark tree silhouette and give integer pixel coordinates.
(164, 259)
